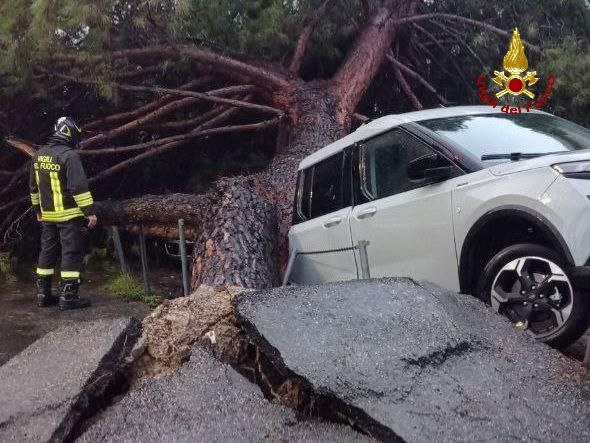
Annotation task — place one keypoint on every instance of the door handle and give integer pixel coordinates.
(334, 221)
(366, 213)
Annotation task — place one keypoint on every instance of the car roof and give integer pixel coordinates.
(383, 124)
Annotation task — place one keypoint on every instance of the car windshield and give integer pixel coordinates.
(489, 137)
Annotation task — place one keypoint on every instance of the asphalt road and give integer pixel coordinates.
(22, 322)
(39, 386)
(427, 364)
(207, 401)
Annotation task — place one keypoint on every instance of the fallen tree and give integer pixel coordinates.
(240, 223)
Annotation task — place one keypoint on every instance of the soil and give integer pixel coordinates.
(22, 322)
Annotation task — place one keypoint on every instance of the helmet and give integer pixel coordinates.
(67, 130)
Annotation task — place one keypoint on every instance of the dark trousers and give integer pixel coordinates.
(70, 236)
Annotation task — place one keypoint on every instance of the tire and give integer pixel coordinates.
(550, 308)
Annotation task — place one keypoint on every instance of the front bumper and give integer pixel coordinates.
(580, 277)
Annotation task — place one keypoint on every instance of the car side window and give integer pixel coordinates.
(326, 187)
(320, 189)
(384, 162)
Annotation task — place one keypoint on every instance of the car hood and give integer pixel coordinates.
(540, 162)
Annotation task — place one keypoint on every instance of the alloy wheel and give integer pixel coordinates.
(534, 293)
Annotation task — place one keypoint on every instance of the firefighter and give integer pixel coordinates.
(63, 203)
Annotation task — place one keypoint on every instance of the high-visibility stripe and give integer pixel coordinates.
(35, 199)
(41, 271)
(61, 216)
(84, 199)
(83, 195)
(70, 274)
(59, 219)
(58, 201)
(37, 180)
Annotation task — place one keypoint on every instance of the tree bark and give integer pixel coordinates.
(237, 244)
(242, 240)
(364, 60)
(156, 209)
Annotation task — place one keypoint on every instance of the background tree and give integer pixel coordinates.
(265, 81)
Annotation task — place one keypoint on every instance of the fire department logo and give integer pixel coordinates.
(515, 63)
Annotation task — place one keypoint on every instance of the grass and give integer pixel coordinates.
(6, 274)
(126, 285)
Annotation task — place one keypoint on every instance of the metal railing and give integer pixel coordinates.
(144, 260)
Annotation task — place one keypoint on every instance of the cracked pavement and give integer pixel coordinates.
(428, 364)
(39, 385)
(207, 401)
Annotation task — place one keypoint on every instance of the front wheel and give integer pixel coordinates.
(528, 284)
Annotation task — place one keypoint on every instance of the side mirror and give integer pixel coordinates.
(428, 169)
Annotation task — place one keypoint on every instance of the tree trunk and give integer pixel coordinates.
(242, 240)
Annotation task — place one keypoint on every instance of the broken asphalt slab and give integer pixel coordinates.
(426, 364)
(207, 401)
(59, 381)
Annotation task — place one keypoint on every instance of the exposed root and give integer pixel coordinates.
(177, 325)
(208, 318)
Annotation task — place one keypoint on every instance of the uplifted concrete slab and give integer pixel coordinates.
(46, 390)
(427, 364)
(206, 401)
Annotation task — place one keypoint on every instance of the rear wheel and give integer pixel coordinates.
(528, 284)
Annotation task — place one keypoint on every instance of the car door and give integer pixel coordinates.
(406, 221)
(320, 233)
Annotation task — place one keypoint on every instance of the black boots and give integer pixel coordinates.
(69, 295)
(44, 296)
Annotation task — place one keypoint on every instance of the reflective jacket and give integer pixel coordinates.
(58, 184)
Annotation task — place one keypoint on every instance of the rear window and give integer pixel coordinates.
(320, 189)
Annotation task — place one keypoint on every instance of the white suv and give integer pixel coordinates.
(469, 198)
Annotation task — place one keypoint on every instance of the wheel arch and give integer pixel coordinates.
(490, 221)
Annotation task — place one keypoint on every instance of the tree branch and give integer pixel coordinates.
(310, 23)
(141, 72)
(363, 61)
(416, 76)
(197, 132)
(19, 202)
(149, 107)
(21, 146)
(262, 77)
(265, 78)
(432, 38)
(181, 140)
(155, 209)
(470, 21)
(207, 116)
(406, 88)
(156, 115)
(202, 96)
(460, 41)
